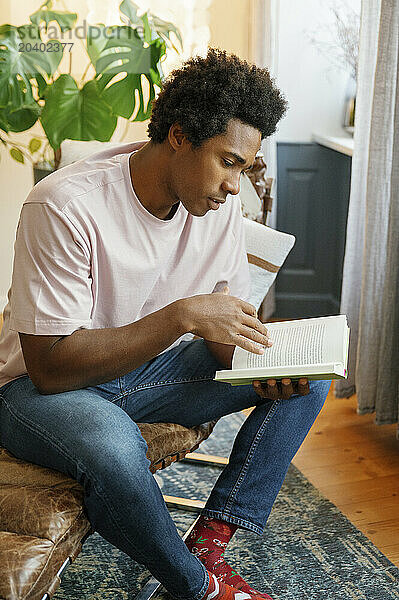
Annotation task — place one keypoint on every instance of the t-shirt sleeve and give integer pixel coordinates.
(235, 273)
(51, 282)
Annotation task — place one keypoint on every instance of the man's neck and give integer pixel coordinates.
(147, 168)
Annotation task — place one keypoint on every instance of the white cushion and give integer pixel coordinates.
(251, 205)
(267, 250)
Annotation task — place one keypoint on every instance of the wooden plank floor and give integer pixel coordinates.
(355, 464)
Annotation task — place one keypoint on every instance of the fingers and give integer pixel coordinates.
(248, 308)
(252, 331)
(284, 389)
(303, 387)
(252, 335)
(272, 389)
(255, 335)
(267, 389)
(287, 389)
(254, 323)
(259, 330)
(246, 344)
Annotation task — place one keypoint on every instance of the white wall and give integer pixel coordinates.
(15, 183)
(315, 90)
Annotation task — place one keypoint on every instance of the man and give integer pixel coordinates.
(118, 258)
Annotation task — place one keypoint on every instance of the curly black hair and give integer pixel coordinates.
(205, 93)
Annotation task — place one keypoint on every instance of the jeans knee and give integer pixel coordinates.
(109, 456)
(109, 450)
(309, 406)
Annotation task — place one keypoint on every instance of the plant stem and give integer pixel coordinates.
(85, 73)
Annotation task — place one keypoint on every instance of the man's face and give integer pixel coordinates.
(213, 170)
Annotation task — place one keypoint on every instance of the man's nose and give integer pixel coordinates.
(232, 185)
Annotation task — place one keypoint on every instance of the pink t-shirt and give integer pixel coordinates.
(89, 255)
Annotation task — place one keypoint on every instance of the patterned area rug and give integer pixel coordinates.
(309, 550)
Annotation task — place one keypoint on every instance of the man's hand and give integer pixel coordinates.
(222, 318)
(283, 389)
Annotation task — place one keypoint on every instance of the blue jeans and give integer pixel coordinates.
(91, 435)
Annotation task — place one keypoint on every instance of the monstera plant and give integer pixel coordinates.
(32, 88)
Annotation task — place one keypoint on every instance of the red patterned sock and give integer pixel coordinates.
(208, 541)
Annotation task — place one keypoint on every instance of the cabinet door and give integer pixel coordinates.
(313, 184)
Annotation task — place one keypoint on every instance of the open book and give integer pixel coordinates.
(312, 348)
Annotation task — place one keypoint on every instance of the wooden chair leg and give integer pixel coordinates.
(198, 458)
(184, 503)
(206, 459)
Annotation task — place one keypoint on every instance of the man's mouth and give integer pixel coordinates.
(215, 203)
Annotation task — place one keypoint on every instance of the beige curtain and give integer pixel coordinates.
(262, 40)
(370, 292)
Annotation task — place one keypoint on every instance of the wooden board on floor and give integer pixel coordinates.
(355, 464)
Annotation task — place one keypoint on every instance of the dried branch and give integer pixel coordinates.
(339, 44)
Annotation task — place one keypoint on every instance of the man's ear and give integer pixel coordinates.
(176, 138)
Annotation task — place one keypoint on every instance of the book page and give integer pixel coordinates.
(297, 343)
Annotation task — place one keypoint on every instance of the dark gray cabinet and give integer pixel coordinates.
(313, 184)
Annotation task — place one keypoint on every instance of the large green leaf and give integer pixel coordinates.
(3, 122)
(164, 28)
(125, 53)
(122, 98)
(129, 8)
(18, 65)
(96, 40)
(65, 20)
(43, 59)
(21, 119)
(16, 116)
(76, 114)
(152, 25)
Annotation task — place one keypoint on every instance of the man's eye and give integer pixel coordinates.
(227, 163)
